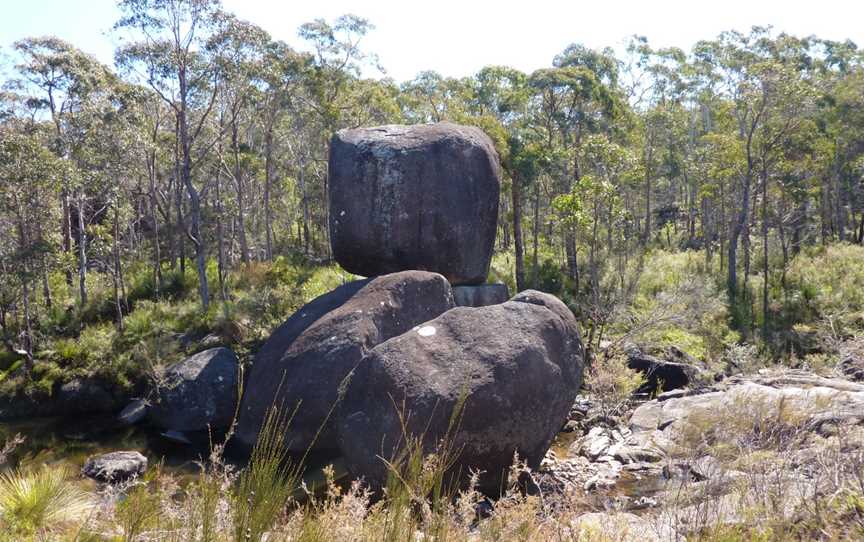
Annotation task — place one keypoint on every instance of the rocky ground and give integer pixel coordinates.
(772, 447)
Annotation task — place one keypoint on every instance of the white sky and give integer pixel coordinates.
(458, 37)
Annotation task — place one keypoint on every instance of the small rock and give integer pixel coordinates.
(115, 466)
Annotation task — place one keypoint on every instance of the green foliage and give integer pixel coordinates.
(825, 288)
(266, 485)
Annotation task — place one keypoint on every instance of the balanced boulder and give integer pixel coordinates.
(517, 366)
(414, 197)
(300, 368)
(197, 394)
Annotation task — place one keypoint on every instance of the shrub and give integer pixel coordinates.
(38, 500)
(612, 382)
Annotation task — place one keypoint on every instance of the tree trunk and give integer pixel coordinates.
(238, 180)
(268, 181)
(535, 271)
(518, 248)
(119, 295)
(82, 251)
(194, 198)
(301, 176)
(764, 254)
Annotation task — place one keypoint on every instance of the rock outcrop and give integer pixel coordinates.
(518, 367)
(198, 393)
(306, 359)
(414, 197)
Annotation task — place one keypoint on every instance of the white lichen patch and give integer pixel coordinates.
(426, 331)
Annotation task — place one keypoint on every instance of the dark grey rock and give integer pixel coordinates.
(197, 394)
(851, 366)
(519, 364)
(480, 296)
(115, 466)
(414, 197)
(84, 395)
(177, 437)
(670, 369)
(133, 413)
(307, 358)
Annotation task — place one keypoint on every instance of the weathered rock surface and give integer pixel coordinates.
(115, 466)
(482, 295)
(414, 197)
(307, 358)
(519, 364)
(197, 393)
(852, 366)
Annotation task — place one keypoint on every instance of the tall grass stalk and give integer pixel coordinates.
(266, 485)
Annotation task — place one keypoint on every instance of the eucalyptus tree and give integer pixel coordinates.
(282, 71)
(61, 79)
(576, 98)
(29, 179)
(238, 49)
(169, 53)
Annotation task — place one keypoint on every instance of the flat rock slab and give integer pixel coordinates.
(480, 296)
(115, 466)
(414, 197)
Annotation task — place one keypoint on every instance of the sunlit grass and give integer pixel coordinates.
(36, 500)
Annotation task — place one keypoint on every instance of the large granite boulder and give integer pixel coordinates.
(306, 359)
(414, 197)
(517, 365)
(198, 393)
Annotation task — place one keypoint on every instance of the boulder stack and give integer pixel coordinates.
(389, 359)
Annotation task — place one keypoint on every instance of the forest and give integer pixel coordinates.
(710, 199)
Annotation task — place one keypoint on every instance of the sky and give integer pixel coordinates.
(458, 37)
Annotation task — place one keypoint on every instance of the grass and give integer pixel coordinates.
(39, 500)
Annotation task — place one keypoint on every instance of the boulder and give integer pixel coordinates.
(670, 369)
(115, 466)
(306, 359)
(517, 365)
(480, 296)
(84, 396)
(198, 393)
(414, 197)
